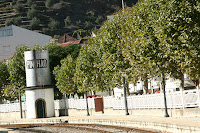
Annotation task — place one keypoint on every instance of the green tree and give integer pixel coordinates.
(4, 75)
(32, 13)
(99, 20)
(30, 2)
(49, 3)
(54, 25)
(19, 7)
(18, 21)
(9, 22)
(88, 76)
(34, 23)
(64, 75)
(56, 54)
(16, 68)
(67, 21)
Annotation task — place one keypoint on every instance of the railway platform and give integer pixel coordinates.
(163, 124)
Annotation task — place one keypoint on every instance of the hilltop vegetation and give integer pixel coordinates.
(55, 17)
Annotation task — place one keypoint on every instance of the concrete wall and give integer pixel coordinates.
(20, 37)
(12, 116)
(188, 112)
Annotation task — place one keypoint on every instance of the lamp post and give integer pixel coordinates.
(165, 101)
(123, 5)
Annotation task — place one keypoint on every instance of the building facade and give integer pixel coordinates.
(14, 36)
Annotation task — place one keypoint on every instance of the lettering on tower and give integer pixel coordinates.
(40, 63)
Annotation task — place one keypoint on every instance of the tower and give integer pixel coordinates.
(39, 93)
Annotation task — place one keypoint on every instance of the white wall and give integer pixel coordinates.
(33, 95)
(20, 37)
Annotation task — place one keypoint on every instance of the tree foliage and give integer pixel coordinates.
(34, 23)
(16, 68)
(4, 75)
(155, 36)
(19, 7)
(64, 76)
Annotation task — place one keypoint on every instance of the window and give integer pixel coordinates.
(6, 32)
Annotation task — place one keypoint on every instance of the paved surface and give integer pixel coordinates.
(169, 124)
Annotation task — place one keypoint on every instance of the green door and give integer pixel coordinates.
(40, 105)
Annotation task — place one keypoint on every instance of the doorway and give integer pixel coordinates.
(40, 108)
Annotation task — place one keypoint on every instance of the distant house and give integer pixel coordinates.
(66, 40)
(14, 36)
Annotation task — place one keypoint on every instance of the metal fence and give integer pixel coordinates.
(179, 99)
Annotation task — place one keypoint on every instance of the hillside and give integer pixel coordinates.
(55, 17)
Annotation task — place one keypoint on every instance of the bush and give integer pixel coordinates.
(78, 22)
(18, 21)
(53, 24)
(31, 13)
(19, 7)
(34, 23)
(9, 22)
(49, 3)
(30, 2)
(87, 25)
(99, 20)
(67, 21)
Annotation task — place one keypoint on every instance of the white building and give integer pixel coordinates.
(14, 36)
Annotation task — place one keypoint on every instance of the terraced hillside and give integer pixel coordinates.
(55, 17)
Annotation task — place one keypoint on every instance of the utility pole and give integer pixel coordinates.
(123, 5)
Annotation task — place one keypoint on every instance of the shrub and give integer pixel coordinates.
(9, 22)
(18, 21)
(19, 7)
(67, 21)
(99, 20)
(49, 3)
(34, 23)
(31, 13)
(53, 24)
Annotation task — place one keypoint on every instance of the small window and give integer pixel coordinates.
(7, 32)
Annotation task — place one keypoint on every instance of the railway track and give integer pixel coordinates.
(72, 128)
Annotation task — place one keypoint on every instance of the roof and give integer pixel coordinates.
(81, 42)
(66, 38)
(6, 28)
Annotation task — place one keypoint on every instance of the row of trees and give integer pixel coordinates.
(155, 36)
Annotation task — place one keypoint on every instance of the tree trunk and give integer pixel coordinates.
(146, 84)
(182, 81)
(20, 105)
(127, 89)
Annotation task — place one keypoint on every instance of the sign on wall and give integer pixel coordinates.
(37, 68)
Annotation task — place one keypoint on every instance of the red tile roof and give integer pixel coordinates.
(65, 38)
(81, 42)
